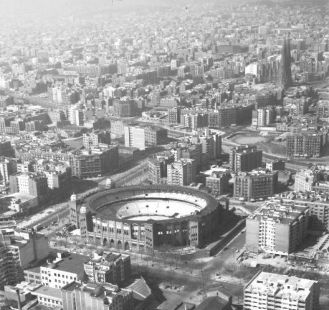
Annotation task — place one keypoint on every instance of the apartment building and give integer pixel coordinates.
(63, 270)
(95, 162)
(305, 180)
(17, 252)
(93, 139)
(271, 291)
(79, 296)
(112, 268)
(144, 137)
(245, 158)
(277, 228)
(305, 145)
(181, 172)
(28, 183)
(218, 182)
(257, 184)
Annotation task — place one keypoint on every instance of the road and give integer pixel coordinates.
(193, 275)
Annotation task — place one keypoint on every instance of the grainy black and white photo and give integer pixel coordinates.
(164, 154)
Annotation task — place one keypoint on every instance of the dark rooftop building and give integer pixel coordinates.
(214, 303)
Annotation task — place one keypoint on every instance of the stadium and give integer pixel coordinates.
(142, 218)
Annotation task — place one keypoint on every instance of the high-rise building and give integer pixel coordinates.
(6, 149)
(271, 291)
(181, 172)
(75, 115)
(157, 169)
(93, 139)
(286, 79)
(189, 151)
(193, 119)
(305, 144)
(28, 183)
(319, 209)
(277, 228)
(263, 117)
(245, 158)
(135, 137)
(305, 180)
(95, 162)
(211, 145)
(174, 115)
(257, 184)
(144, 137)
(218, 182)
(17, 252)
(124, 108)
(8, 166)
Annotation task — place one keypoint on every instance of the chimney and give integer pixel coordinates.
(18, 300)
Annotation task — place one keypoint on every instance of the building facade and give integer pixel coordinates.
(144, 137)
(277, 228)
(257, 184)
(112, 268)
(305, 145)
(77, 296)
(270, 291)
(182, 172)
(245, 158)
(95, 162)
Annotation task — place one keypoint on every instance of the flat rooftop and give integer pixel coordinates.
(282, 286)
(46, 291)
(72, 263)
(72, 286)
(279, 212)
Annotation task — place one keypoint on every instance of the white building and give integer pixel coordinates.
(270, 291)
(49, 297)
(63, 270)
(75, 116)
(261, 117)
(23, 181)
(304, 180)
(251, 69)
(4, 167)
(135, 137)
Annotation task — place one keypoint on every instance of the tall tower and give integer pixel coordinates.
(286, 80)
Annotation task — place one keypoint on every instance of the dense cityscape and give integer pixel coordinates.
(164, 155)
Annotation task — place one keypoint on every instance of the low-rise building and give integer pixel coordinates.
(49, 297)
(95, 296)
(63, 270)
(110, 268)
